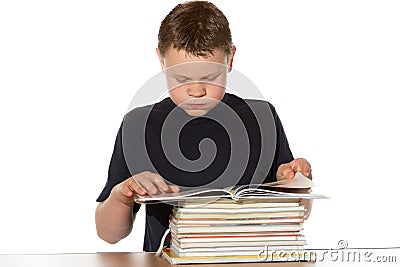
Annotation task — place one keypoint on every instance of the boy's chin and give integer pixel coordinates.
(196, 112)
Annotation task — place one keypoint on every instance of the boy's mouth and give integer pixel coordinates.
(196, 106)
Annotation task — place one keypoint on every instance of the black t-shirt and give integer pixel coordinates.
(140, 146)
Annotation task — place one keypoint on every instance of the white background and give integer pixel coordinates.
(69, 69)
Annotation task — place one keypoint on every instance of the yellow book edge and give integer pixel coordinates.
(291, 256)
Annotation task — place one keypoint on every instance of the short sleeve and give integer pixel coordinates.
(283, 154)
(117, 172)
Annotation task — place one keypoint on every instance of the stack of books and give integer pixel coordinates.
(242, 224)
(237, 231)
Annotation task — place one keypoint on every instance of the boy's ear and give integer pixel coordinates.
(161, 59)
(230, 59)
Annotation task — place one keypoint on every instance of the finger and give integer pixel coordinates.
(305, 167)
(163, 186)
(159, 181)
(279, 175)
(307, 172)
(146, 184)
(296, 165)
(301, 165)
(124, 194)
(174, 188)
(288, 173)
(125, 191)
(135, 187)
(285, 171)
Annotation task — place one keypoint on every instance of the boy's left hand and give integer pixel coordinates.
(288, 170)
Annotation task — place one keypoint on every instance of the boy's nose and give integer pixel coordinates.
(196, 90)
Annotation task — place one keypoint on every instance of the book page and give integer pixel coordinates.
(299, 182)
(183, 195)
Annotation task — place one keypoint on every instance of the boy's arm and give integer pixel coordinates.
(114, 219)
(114, 216)
(115, 226)
(286, 165)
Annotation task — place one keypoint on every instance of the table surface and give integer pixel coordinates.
(140, 259)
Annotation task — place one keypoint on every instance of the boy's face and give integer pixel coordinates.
(196, 84)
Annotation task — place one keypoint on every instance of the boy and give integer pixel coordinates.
(193, 38)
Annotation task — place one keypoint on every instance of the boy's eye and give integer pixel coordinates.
(185, 80)
(210, 79)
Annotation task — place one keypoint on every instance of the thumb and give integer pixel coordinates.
(174, 188)
(285, 172)
(288, 173)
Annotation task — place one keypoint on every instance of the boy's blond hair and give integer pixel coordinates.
(197, 27)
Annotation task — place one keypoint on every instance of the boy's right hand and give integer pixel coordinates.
(142, 184)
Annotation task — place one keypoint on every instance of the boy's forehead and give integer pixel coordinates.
(197, 69)
(174, 57)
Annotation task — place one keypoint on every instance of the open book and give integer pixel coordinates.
(297, 187)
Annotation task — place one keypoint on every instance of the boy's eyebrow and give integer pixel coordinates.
(177, 75)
